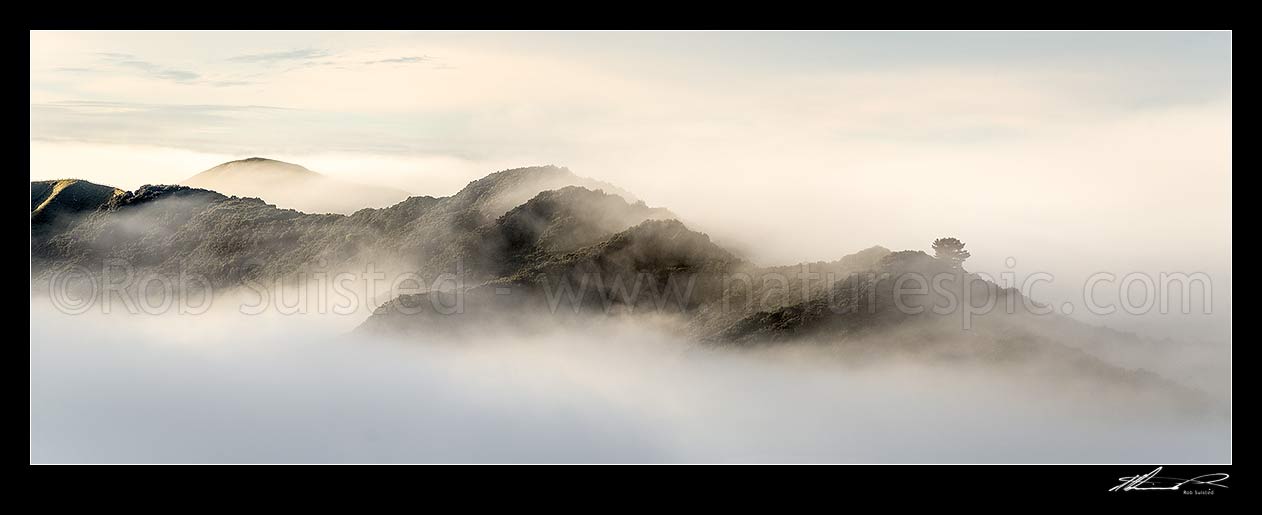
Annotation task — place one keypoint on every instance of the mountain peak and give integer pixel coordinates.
(253, 166)
(501, 191)
(293, 186)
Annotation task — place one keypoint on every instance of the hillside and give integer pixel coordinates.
(565, 255)
(62, 201)
(232, 239)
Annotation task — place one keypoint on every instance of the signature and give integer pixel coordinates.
(1151, 481)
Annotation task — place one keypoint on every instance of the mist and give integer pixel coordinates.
(232, 388)
(1058, 157)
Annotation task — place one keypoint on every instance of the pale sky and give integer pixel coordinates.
(1071, 152)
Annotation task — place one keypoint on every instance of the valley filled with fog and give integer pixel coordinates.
(233, 388)
(712, 247)
(534, 316)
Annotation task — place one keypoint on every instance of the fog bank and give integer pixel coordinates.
(281, 389)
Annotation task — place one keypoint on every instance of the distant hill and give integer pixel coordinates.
(292, 186)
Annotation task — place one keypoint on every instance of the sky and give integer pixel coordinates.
(1069, 152)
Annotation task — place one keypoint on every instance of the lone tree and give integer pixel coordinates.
(951, 250)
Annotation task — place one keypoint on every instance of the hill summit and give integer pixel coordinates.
(259, 167)
(292, 186)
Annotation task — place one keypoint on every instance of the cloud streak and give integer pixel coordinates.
(281, 56)
(403, 60)
(149, 69)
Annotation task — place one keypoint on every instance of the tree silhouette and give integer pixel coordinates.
(950, 250)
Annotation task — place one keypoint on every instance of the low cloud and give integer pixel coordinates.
(289, 389)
